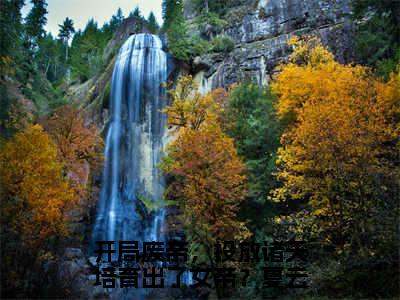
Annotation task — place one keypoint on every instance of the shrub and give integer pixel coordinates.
(222, 44)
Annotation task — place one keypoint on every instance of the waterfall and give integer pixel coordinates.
(134, 143)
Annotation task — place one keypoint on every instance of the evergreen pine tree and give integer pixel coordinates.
(10, 35)
(137, 13)
(172, 13)
(152, 24)
(35, 22)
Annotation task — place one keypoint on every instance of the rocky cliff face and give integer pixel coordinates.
(261, 29)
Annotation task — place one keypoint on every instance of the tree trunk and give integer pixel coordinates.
(66, 51)
(206, 5)
(47, 67)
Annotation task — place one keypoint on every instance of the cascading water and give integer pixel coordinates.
(134, 143)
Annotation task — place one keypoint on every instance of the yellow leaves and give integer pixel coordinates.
(243, 232)
(316, 78)
(209, 178)
(308, 50)
(321, 212)
(31, 172)
(388, 107)
(343, 131)
(6, 65)
(190, 108)
(78, 144)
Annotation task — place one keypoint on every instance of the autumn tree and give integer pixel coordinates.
(37, 193)
(79, 145)
(190, 108)
(340, 153)
(35, 201)
(207, 177)
(35, 198)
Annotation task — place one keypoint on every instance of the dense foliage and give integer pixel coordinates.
(184, 42)
(35, 197)
(207, 178)
(321, 150)
(339, 156)
(10, 30)
(378, 38)
(152, 24)
(78, 144)
(44, 177)
(250, 120)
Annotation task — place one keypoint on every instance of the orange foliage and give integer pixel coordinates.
(209, 179)
(37, 194)
(78, 144)
(210, 182)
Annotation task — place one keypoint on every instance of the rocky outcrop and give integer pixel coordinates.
(129, 26)
(76, 275)
(261, 29)
(73, 273)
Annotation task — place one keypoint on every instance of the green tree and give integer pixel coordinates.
(50, 58)
(109, 28)
(10, 35)
(137, 13)
(172, 13)
(116, 19)
(10, 54)
(251, 122)
(119, 16)
(182, 44)
(35, 22)
(87, 49)
(152, 24)
(378, 38)
(65, 33)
